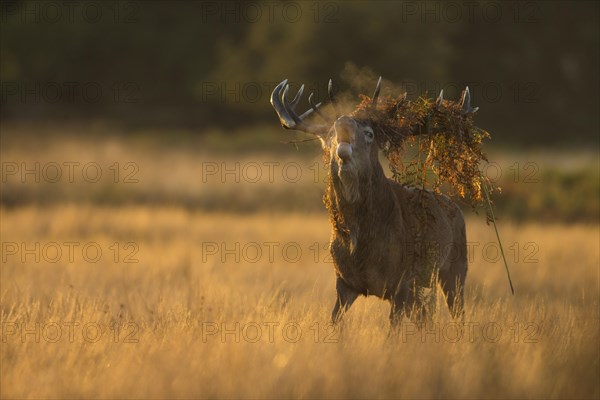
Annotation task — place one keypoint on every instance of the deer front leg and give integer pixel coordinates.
(345, 297)
(405, 302)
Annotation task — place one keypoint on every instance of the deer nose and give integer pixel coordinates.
(344, 129)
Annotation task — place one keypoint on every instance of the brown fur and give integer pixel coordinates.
(384, 233)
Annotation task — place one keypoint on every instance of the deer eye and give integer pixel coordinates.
(369, 134)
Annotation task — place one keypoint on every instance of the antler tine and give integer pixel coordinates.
(315, 107)
(332, 98)
(376, 93)
(466, 103)
(288, 106)
(296, 100)
(284, 118)
(466, 100)
(330, 91)
(440, 98)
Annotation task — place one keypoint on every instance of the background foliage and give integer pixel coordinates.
(199, 64)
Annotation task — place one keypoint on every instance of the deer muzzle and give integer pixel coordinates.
(344, 131)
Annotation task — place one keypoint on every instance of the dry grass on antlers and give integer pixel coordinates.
(447, 143)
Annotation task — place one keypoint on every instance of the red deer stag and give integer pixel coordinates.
(375, 220)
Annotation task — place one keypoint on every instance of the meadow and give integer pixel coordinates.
(164, 278)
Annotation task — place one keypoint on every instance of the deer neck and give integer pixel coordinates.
(374, 207)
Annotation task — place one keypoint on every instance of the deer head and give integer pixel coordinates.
(350, 141)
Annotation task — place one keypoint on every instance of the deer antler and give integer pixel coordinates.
(376, 93)
(332, 99)
(466, 103)
(286, 111)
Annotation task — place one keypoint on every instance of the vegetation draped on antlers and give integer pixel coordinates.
(447, 141)
(443, 132)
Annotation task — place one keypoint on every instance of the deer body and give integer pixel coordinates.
(381, 229)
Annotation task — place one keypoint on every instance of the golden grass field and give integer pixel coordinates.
(186, 302)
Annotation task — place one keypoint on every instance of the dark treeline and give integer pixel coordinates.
(532, 66)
